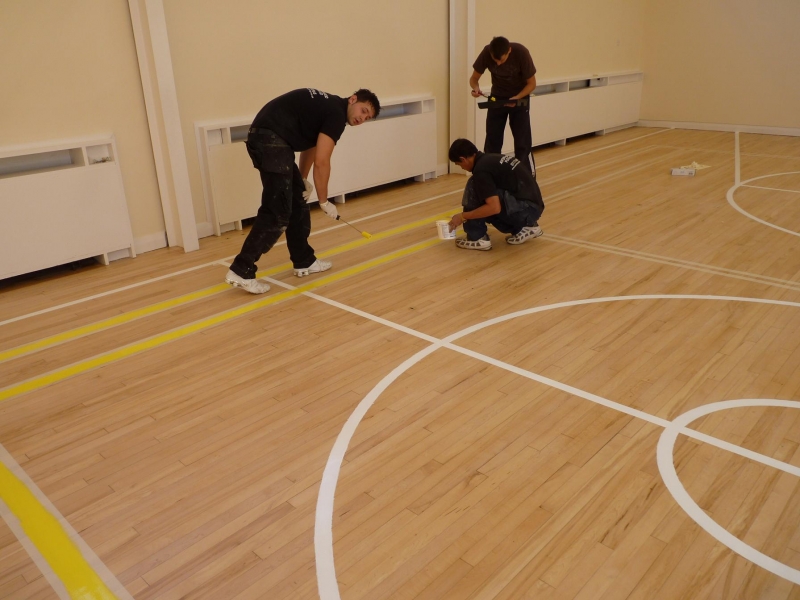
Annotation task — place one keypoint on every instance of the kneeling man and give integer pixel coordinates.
(501, 192)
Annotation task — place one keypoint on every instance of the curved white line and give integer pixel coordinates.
(323, 529)
(666, 467)
(323, 525)
(732, 202)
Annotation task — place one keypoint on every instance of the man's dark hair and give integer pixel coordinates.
(461, 148)
(498, 47)
(364, 95)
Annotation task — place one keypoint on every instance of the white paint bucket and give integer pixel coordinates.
(443, 228)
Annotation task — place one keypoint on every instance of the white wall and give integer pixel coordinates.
(568, 37)
(723, 61)
(231, 58)
(69, 70)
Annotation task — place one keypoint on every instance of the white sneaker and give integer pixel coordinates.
(527, 233)
(318, 267)
(482, 244)
(254, 286)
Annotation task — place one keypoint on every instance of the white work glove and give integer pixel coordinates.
(330, 209)
(309, 188)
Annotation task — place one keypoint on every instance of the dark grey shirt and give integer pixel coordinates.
(509, 78)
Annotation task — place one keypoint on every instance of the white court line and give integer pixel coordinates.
(103, 294)
(317, 232)
(598, 180)
(323, 529)
(100, 569)
(762, 187)
(739, 183)
(675, 262)
(733, 203)
(355, 311)
(213, 262)
(641, 137)
(619, 158)
(737, 161)
(638, 414)
(41, 563)
(666, 466)
(726, 152)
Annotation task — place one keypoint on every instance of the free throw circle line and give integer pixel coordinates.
(733, 203)
(323, 531)
(666, 466)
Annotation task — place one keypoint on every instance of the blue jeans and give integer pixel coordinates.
(513, 216)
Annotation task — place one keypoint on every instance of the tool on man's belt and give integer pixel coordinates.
(498, 102)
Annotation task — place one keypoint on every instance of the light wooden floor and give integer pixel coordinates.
(498, 469)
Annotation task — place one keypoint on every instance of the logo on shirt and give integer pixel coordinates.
(314, 92)
(510, 159)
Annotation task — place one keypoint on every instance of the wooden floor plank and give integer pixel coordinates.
(193, 469)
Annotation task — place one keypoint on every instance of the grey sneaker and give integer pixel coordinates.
(254, 286)
(318, 267)
(482, 244)
(527, 233)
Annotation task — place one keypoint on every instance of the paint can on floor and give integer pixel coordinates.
(443, 227)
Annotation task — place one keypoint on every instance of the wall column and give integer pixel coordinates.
(161, 101)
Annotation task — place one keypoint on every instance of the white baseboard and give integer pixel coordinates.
(205, 230)
(146, 243)
(154, 241)
(620, 127)
(790, 131)
(442, 169)
(115, 255)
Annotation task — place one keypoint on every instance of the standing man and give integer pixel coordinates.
(513, 77)
(310, 122)
(500, 192)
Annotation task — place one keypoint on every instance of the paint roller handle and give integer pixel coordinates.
(329, 208)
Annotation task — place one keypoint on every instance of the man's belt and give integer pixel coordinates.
(498, 102)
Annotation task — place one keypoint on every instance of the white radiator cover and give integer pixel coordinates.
(59, 203)
(401, 143)
(568, 107)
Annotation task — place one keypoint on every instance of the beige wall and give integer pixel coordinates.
(568, 37)
(69, 70)
(731, 61)
(230, 58)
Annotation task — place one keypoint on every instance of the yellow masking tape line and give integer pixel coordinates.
(392, 232)
(110, 322)
(50, 539)
(163, 338)
(187, 298)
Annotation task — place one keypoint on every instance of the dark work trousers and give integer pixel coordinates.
(282, 207)
(519, 119)
(513, 216)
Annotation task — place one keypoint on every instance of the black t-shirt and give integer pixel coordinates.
(509, 78)
(494, 172)
(299, 116)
